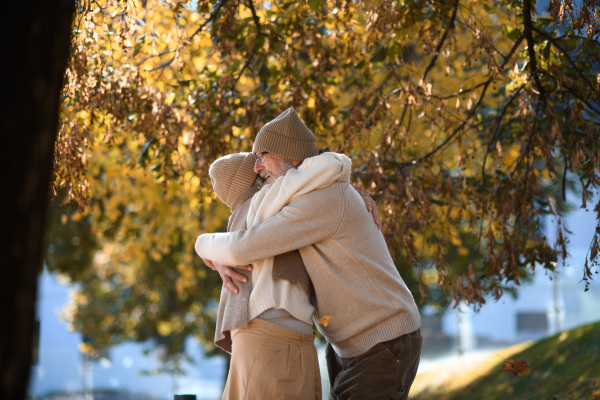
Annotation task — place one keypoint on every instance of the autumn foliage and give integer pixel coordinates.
(467, 121)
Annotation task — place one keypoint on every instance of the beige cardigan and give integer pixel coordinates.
(354, 277)
(314, 173)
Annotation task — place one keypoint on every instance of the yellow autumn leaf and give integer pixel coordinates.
(324, 320)
(85, 348)
(164, 328)
(156, 256)
(455, 241)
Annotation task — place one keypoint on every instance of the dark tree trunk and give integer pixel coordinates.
(35, 47)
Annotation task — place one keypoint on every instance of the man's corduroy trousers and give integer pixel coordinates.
(386, 371)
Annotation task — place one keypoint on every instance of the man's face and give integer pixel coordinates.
(271, 166)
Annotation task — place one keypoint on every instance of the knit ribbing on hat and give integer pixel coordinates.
(286, 136)
(232, 177)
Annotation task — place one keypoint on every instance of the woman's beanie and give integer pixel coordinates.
(232, 177)
(286, 136)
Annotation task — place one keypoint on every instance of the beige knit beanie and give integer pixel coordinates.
(232, 177)
(286, 136)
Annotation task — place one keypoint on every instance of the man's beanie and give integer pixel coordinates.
(286, 136)
(232, 177)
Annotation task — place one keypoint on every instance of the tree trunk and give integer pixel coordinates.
(36, 36)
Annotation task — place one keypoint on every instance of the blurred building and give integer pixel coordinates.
(553, 302)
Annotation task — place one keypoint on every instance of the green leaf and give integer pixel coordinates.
(277, 46)
(512, 32)
(358, 65)
(184, 82)
(380, 54)
(488, 9)
(287, 5)
(263, 72)
(316, 5)
(544, 21)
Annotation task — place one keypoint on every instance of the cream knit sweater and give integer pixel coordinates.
(313, 173)
(346, 257)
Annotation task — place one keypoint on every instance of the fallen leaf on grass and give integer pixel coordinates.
(516, 367)
(324, 320)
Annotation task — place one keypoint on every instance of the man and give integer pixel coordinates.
(373, 335)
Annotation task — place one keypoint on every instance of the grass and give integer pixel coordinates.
(564, 366)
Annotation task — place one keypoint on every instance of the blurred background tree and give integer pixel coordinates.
(466, 120)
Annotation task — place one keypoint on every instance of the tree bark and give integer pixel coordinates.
(36, 37)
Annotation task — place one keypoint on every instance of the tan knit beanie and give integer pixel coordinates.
(232, 177)
(286, 136)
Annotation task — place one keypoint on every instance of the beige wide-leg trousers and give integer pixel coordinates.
(269, 361)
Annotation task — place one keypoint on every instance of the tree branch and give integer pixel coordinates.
(506, 60)
(433, 60)
(250, 57)
(438, 48)
(254, 16)
(565, 52)
(527, 149)
(496, 129)
(155, 55)
(528, 25)
(436, 53)
(163, 65)
(213, 13)
(455, 132)
(465, 91)
(564, 179)
(584, 101)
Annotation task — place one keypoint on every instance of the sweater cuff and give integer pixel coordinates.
(201, 249)
(216, 247)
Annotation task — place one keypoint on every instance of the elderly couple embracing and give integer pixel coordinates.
(300, 246)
